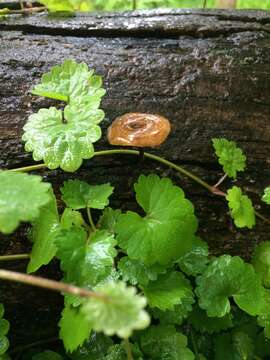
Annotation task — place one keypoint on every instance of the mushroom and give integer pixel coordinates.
(139, 129)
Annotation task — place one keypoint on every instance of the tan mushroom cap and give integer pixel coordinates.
(139, 129)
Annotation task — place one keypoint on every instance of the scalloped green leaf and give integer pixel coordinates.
(168, 290)
(266, 196)
(164, 342)
(44, 230)
(229, 156)
(175, 316)
(261, 262)
(120, 314)
(227, 277)
(241, 208)
(74, 328)
(61, 143)
(21, 199)
(79, 195)
(108, 219)
(70, 79)
(167, 230)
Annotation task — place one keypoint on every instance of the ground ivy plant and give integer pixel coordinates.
(136, 285)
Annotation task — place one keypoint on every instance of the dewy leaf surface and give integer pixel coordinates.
(70, 79)
(21, 199)
(168, 290)
(61, 143)
(120, 313)
(43, 234)
(229, 156)
(241, 208)
(165, 343)
(167, 230)
(79, 195)
(227, 277)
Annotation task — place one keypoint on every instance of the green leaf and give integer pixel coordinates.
(226, 277)
(95, 348)
(79, 195)
(74, 328)
(165, 343)
(61, 143)
(261, 262)
(4, 327)
(236, 346)
(47, 355)
(229, 156)
(241, 208)
(136, 272)
(4, 345)
(202, 323)
(69, 80)
(86, 263)
(167, 230)
(266, 195)
(21, 199)
(44, 230)
(120, 313)
(243, 345)
(195, 261)
(109, 219)
(168, 290)
(176, 316)
(264, 316)
(118, 352)
(71, 217)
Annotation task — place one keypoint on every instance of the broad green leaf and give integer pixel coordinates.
(203, 323)
(227, 277)
(264, 316)
(79, 195)
(4, 345)
(136, 272)
(223, 345)
(71, 217)
(167, 230)
(165, 343)
(118, 352)
(85, 263)
(47, 355)
(69, 80)
(21, 199)
(44, 230)
(168, 290)
(236, 346)
(229, 156)
(94, 348)
(241, 208)
(266, 195)
(74, 328)
(175, 316)
(61, 143)
(243, 345)
(261, 262)
(262, 346)
(4, 327)
(121, 312)
(109, 219)
(195, 261)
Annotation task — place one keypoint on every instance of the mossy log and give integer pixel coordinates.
(207, 71)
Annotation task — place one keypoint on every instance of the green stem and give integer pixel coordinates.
(14, 257)
(159, 159)
(128, 349)
(29, 168)
(91, 222)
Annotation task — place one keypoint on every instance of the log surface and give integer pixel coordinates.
(207, 71)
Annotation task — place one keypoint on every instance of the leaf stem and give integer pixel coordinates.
(49, 284)
(23, 11)
(91, 222)
(14, 257)
(128, 349)
(29, 168)
(220, 181)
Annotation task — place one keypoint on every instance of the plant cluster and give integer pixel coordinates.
(137, 285)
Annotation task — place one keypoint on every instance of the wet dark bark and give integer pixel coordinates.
(207, 71)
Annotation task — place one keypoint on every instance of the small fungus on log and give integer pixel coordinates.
(139, 129)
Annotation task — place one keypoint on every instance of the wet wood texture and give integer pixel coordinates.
(207, 71)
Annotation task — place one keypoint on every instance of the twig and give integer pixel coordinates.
(220, 181)
(49, 284)
(14, 257)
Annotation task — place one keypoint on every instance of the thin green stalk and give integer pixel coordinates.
(128, 349)
(91, 222)
(134, 4)
(29, 168)
(14, 257)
